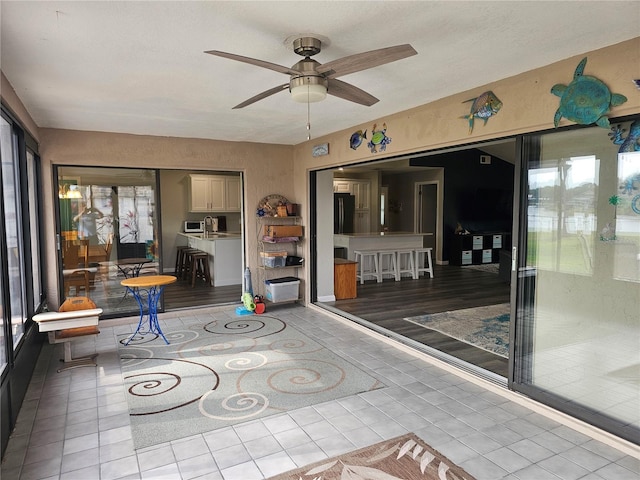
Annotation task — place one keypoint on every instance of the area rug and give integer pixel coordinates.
(484, 267)
(224, 372)
(482, 327)
(406, 457)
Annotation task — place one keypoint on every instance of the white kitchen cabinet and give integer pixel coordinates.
(361, 189)
(362, 221)
(214, 193)
(232, 194)
(341, 186)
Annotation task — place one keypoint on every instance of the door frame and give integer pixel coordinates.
(417, 218)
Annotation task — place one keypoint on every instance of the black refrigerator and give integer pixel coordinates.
(344, 209)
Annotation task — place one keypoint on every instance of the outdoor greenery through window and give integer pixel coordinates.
(583, 236)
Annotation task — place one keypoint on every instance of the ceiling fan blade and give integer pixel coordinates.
(363, 61)
(262, 95)
(346, 91)
(254, 61)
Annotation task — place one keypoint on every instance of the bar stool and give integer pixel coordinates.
(368, 265)
(187, 263)
(419, 265)
(180, 259)
(391, 267)
(406, 263)
(200, 267)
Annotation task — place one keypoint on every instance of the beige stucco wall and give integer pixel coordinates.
(528, 106)
(267, 169)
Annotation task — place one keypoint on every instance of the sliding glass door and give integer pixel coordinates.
(578, 328)
(108, 230)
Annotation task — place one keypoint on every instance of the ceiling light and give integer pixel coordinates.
(308, 89)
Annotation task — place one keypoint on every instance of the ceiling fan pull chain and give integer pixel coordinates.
(308, 114)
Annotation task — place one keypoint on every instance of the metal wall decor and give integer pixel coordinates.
(484, 106)
(379, 139)
(356, 139)
(585, 100)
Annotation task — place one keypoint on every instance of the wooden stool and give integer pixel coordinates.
(419, 265)
(391, 268)
(364, 257)
(180, 249)
(187, 263)
(406, 263)
(200, 267)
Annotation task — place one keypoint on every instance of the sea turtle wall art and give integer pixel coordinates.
(586, 99)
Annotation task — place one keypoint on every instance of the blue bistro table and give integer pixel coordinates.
(153, 285)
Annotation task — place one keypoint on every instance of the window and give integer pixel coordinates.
(13, 230)
(34, 229)
(107, 221)
(580, 295)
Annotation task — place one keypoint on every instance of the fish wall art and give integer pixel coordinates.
(484, 106)
(585, 100)
(356, 139)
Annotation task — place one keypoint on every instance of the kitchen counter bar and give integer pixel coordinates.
(225, 254)
(378, 241)
(212, 236)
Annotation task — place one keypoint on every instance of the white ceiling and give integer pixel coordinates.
(139, 67)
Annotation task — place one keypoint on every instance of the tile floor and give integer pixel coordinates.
(75, 424)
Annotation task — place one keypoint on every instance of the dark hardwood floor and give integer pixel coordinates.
(386, 304)
(181, 295)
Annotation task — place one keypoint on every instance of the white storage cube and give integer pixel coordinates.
(497, 241)
(477, 242)
(466, 257)
(487, 255)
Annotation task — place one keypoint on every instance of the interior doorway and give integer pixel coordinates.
(427, 212)
(447, 315)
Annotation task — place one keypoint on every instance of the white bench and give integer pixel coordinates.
(64, 327)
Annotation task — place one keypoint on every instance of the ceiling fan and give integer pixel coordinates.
(311, 81)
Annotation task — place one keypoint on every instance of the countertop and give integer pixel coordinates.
(381, 234)
(212, 236)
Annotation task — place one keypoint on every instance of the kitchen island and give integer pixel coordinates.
(378, 241)
(225, 254)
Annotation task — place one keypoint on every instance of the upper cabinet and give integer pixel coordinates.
(233, 194)
(214, 193)
(361, 189)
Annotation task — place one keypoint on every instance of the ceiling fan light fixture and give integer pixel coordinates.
(308, 89)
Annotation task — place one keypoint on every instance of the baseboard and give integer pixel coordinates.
(327, 298)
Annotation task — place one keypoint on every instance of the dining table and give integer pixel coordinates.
(130, 267)
(152, 285)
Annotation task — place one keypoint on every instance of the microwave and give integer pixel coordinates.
(193, 226)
